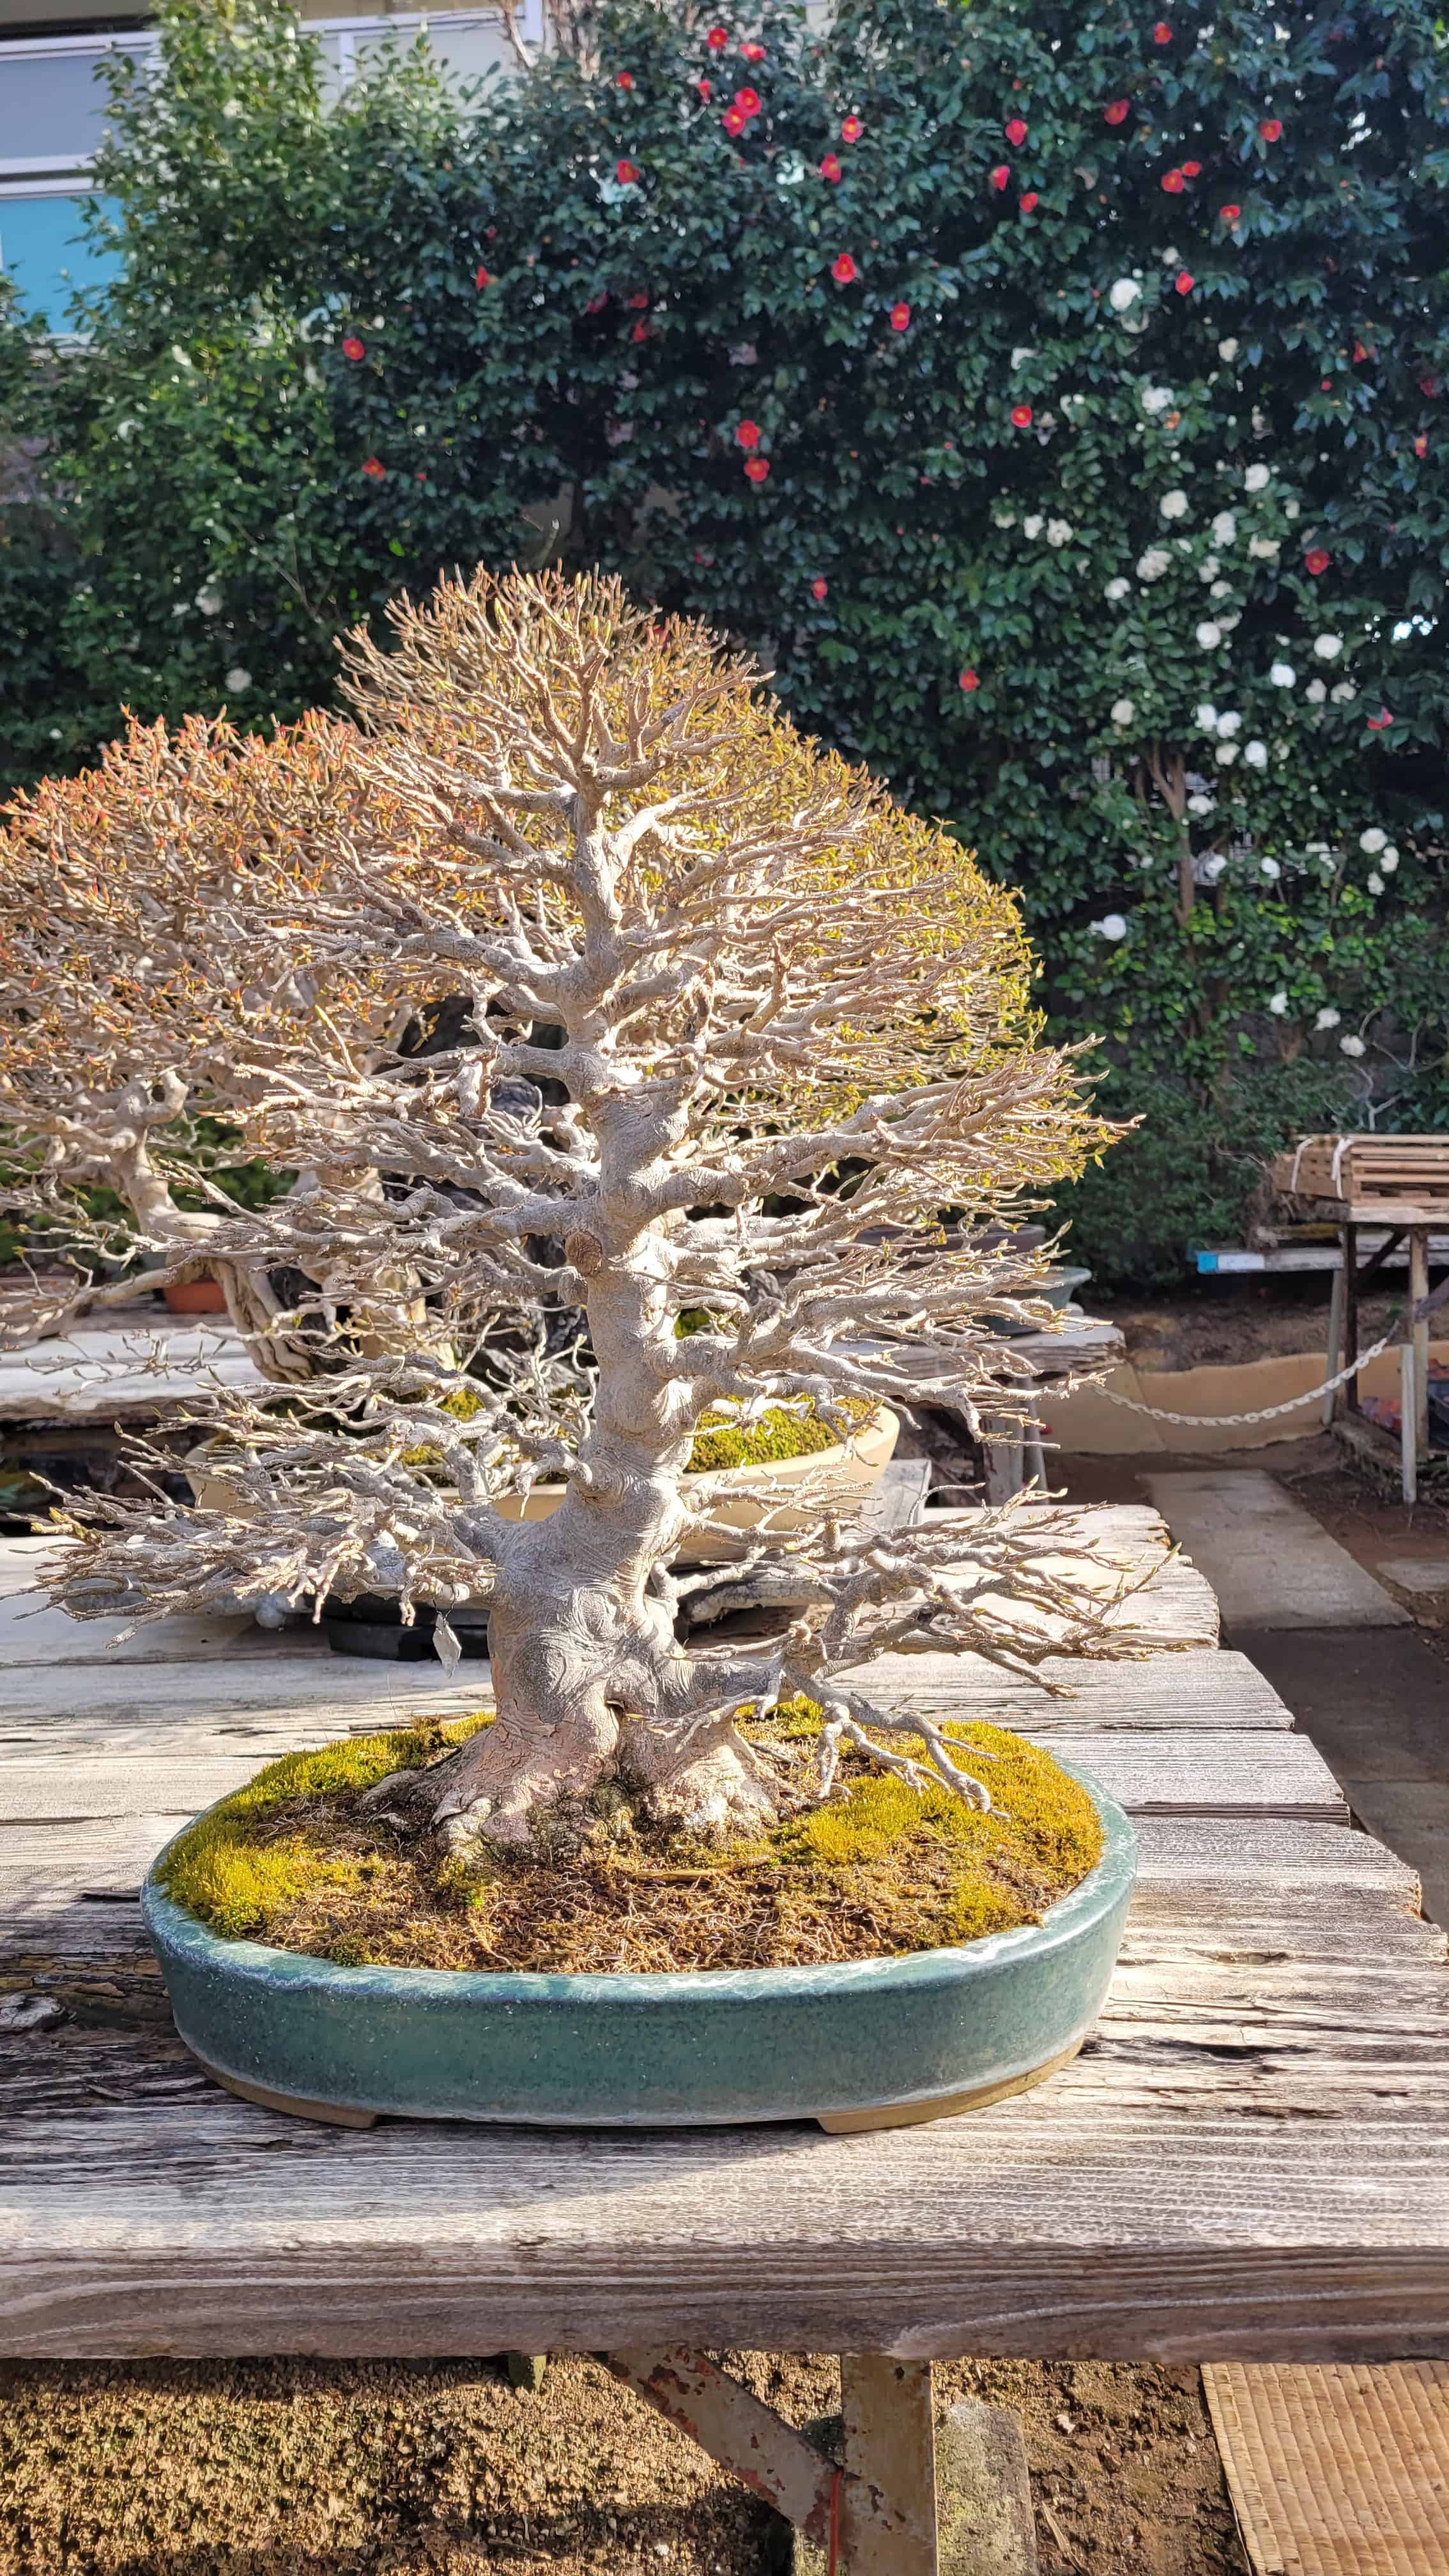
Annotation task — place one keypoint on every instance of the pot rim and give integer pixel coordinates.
(173, 1928)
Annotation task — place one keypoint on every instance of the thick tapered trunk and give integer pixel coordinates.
(591, 1685)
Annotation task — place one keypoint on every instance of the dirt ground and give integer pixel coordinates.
(302, 2468)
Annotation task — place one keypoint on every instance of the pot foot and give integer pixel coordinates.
(338, 2115)
(945, 2106)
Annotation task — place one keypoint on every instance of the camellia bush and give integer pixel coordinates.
(1055, 398)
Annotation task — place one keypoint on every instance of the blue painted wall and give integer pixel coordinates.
(42, 249)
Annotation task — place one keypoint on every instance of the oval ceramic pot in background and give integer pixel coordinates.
(871, 2042)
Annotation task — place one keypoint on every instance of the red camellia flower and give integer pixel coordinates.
(900, 317)
(1271, 128)
(969, 681)
(1429, 385)
(1230, 214)
(851, 129)
(1359, 353)
(641, 331)
(374, 469)
(844, 270)
(638, 304)
(705, 88)
(626, 173)
(1030, 201)
(1021, 417)
(748, 101)
(1184, 281)
(830, 167)
(482, 277)
(1015, 132)
(748, 434)
(734, 120)
(717, 39)
(625, 80)
(1421, 444)
(753, 52)
(1000, 175)
(596, 303)
(819, 587)
(1192, 169)
(353, 349)
(1116, 111)
(1162, 33)
(758, 468)
(1174, 182)
(1377, 723)
(1316, 560)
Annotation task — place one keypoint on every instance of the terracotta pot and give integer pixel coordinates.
(194, 1297)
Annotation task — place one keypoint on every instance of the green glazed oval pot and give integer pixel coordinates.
(857, 2044)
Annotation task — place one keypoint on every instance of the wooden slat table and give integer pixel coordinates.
(1250, 2159)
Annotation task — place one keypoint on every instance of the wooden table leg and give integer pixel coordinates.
(888, 2495)
(1332, 1402)
(1350, 1313)
(1418, 1291)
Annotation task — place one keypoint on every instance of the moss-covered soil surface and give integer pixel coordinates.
(298, 1860)
(307, 2468)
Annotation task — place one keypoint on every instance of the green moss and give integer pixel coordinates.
(235, 1873)
(883, 1868)
(776, 1434)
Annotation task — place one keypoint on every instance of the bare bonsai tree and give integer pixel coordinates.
(735, 1031)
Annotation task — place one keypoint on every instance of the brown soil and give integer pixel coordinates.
(302, 1861)
(1236, 1320)
(306, 2468)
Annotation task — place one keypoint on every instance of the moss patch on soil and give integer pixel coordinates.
(881, 1869)
(775, 1434)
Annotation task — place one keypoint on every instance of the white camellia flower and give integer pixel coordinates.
(1291, 510)
(1282, 675)
(1003, 518)
(1033, 526)
(1328, 1019)
(209, 602)
(1209, 568)
(1123, 294)
(1173, 505)
(1350, 1045)
(1225, 527)
(1118, 589)
(1227, 620)
(1389, 861)
(1257, 477)
(231, 107)
(1343, 693)
(1211, 868)
(1375, 882)
(1315, 693)
(1153, 564)
(1373, 839)
(1278, 1004)
(1059, 532)
(1220, 590)
(1226, 754)
(1156, 398)
(1022, 357)
(1123, 712)
(1227, 351)
(1328, 647)
(1111, 926)
(1229, 724)
(237, 679)
(1255, 753)
(1265, 548)
(1268, 868)
(1202, 805)
(1209, 634)
(1207, 717)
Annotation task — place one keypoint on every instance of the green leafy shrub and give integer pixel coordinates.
(1027, 385)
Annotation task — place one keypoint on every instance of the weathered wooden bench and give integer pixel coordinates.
(1249, 2160)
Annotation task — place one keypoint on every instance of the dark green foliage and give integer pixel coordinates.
(211, 508)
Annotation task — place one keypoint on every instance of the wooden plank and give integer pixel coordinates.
(325, 1694)
(1192, 2188)
(123, 1372)
(1208, 1773)
(1160, 1693)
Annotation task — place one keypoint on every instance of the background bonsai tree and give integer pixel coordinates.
(734, 1030)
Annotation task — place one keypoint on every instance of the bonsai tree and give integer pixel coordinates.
(734, 1032)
